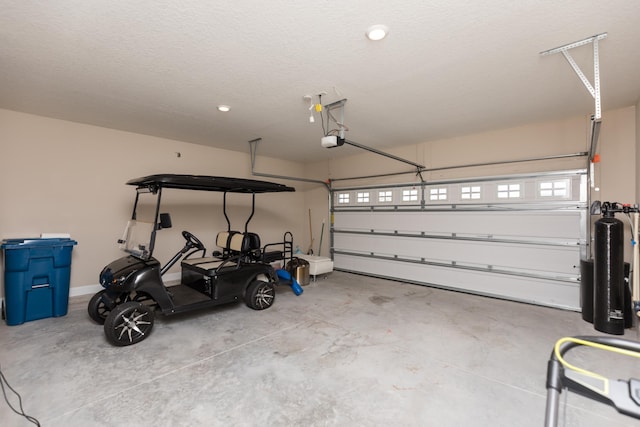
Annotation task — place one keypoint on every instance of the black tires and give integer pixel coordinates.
(99, 310)
(128, 323)
(260, 295)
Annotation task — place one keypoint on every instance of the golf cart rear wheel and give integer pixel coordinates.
(128, 323)
(260, 295)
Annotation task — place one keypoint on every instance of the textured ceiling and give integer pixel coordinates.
(447, 68)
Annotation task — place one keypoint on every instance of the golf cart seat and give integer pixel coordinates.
(251, 246)
(210, 266)
(251, 242)
(223, 241)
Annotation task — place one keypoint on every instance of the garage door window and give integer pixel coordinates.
(363, 197)
(555, 189)
(509, 191)
(385, 196)
(470, 193)
(438, 194)
(410, 195)
(343, 198)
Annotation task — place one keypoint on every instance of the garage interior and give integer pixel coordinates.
(456, 212)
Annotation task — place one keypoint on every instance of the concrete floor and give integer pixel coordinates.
(350, 351)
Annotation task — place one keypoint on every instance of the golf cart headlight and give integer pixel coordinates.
(106, 277)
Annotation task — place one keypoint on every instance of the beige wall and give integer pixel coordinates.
(617, 147)
(638, 149)
(59, 176)
(615, 175)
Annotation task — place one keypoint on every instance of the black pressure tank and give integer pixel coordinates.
(608, 275)
(586, 289)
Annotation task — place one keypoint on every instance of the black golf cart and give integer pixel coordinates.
(240, 268)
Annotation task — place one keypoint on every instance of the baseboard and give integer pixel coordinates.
(84, 290)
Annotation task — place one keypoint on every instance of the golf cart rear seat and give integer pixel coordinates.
(268, 253)
(252, 245)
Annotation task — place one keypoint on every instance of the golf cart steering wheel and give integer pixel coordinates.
(192, 240)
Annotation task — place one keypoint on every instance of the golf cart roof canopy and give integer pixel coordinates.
(209, 183)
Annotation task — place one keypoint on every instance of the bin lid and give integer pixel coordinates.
(297, 262)
(36, 242)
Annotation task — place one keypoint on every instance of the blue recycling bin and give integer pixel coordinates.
(36, 278)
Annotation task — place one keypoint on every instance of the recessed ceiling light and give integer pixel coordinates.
(377, 32)
(224, 108)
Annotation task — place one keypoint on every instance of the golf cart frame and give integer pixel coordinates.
(240, 270)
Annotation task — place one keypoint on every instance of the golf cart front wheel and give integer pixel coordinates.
(99, 310)
(260, 295)
(128, 323)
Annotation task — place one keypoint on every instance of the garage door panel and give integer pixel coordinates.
(471, 236)
(517, 256)
(557, 224)
(503, 286)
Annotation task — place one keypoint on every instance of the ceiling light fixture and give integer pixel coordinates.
(224, 108)
(377, 32)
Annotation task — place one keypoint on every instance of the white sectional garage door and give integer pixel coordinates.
(515, 237)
